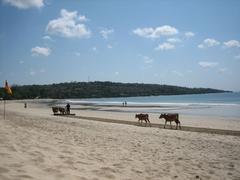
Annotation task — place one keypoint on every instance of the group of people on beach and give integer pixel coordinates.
(124, 103)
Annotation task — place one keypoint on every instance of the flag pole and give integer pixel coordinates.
(4, 109)
(8, 91)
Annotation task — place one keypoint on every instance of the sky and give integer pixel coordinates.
(185, 43)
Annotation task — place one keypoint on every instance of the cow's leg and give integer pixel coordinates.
(148, 122)
(171, 124)
(165, 123)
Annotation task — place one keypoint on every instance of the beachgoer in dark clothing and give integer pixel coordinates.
(68, 108)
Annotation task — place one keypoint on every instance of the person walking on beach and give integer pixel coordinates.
(68, 108)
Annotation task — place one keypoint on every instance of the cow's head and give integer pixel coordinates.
(162, 116)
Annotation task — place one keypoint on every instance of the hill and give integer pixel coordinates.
(99, 89)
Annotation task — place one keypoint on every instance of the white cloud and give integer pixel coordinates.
(67, 25)
(94, 49)
(147, 60)
(25, 4)
(157, 32)
(32, 73)
(106, 32)
(165, 46)
(40, 51)
(189, 34)
(209, 42)
(116, 73)
(201, 46)
(47, 38)
(207, 64)
(178, 73)
(82, 18)
(232, 43)
(174, 40)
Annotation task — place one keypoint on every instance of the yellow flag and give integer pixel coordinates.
(7, 88)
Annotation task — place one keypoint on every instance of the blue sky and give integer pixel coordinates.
(186, 43)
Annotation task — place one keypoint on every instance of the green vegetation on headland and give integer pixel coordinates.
(98, 90)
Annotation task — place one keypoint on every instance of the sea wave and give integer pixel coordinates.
(81, 102)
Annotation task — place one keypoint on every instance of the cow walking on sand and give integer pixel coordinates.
(143, 117)
(171, 117)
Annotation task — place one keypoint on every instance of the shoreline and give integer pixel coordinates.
(128, 114)
(198, 109)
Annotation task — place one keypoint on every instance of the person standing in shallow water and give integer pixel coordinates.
(68, 108)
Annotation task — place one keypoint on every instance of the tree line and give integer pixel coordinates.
(99, 89)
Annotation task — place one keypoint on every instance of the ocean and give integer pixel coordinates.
(214, 104)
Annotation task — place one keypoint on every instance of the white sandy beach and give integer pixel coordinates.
(34, 144)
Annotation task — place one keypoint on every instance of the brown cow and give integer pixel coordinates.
(143, 117)
(62, 110)
(171, 117)
(55, 110)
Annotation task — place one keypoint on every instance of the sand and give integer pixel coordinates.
(34, 144)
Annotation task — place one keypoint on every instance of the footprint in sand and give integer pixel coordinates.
(105, 172)
(69, 162)
(126, 159)
(86, 163)
(5, 155)
(52, 170)
(11, 148)
(24, 176)
(118, 165)
(16, 165)
(137, 171)
(38, 157)
(67, 152)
